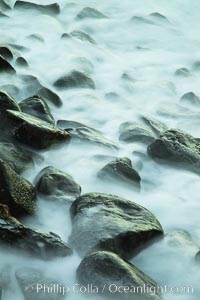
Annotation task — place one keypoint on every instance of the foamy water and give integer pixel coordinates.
(150, 54)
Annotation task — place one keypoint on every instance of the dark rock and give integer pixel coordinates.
(51, 182)
(42, 245)
(197, 257)
(177, 146)
(66, 124)
(20, 61)
(16, 192)
(31, 279)
(7, 102)
(154, 125)
(90, 135)
(34, 132)
(121, 170)
(75, 79)
(6, 53)
(103, 267)
(91, 13)
(37, 107)
(32, 86)
(2, 15)
(82, 36)
(109, 222)
(17, 158)
(127, 77)
(190, 99)
(134, 132)
(182, 72)
(6, 66)
(65, 36)
(45, 9)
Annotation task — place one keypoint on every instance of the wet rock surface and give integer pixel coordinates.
(177, 146)
(55, 184)
(37, 107)
(101, 265)
(5, 66)
(91, 13)
(45, 9)
(108, 222)
(190, 99)
(14, 235)
(34, 132)
(122, 171)
(75, 79)
(134, 132)
(15, 191)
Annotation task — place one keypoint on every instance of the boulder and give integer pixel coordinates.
(20, 61)
(82, 36)
(35, 282)
(15, 191)
(5, 66)
(90, 13)
(36, 106)
(122, 171)
(182, 72)
(197, 257)
(53, 8)
(156, 126)
(135, 132)
(17, 158)
(179, 147)
(190, 99)
(114, 277)
(35, 132)
(158, 17)
(51, 182)
(33, 86)
(66, 124)
(90, 135)
(75, 79)
(6, 53)
(108, 222)
(7, 102)
(15, 235)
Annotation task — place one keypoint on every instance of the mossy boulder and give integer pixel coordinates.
(15, 191)
(122, 171)
(55, 184)
(115, 278)
(112, 223)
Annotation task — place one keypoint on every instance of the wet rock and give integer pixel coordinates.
(11, 90)
(35, 243)
(103, 267)
(20, 61)
(122, 171)
(109, 222)
(154, 125)
(6, 66)
(190, 99)
(36, 106)
(51, 182)
(182, 72)
(6, 53)
(16, 192)
(7, 102)
(181, 239)
(91, 13)
(75, 79)
(33, 282)
(179, 147)
(134, 132)
(45, 9)
(82, 36)
(90, 135)
(64, 124)
(2, 15)
(35, 132)
(17, 158)
(197, 257)
(32, 86)
(65, 36)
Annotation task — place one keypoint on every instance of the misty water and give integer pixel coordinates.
(150, 53)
